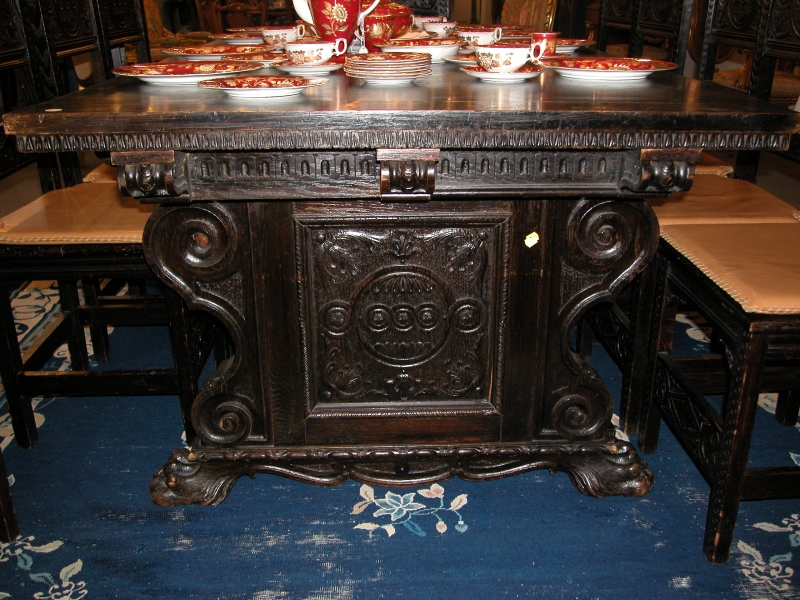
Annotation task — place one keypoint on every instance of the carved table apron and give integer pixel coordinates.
(400, 278)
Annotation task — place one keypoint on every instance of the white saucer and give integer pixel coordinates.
(303, 70)
(526, 72)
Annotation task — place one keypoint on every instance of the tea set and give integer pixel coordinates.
(392, 46)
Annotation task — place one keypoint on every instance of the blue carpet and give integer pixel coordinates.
(90, 531)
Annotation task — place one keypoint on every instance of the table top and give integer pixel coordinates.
(449, 109)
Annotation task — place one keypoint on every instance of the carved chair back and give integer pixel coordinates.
(122, 22)
(240, 14)
(27, 66)
(667, 20)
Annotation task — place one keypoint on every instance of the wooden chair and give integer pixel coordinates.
(122, 24)
(90, 233)
(666, 24)
(26, 65)
(240, 14)
(743, 280)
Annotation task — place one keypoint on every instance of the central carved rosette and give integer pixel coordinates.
(401, 315)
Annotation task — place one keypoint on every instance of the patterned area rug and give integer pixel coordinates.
(90, 531)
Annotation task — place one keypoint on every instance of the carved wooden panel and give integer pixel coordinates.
(428, 7)
(783, 31)
(12, 41)
(70, 25)
(402, 317)
(660, 16)
(619, 11)
(738, 19)
(121, 18)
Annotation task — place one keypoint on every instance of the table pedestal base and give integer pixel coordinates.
(206, 477)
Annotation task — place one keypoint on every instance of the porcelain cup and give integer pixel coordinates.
(420, 20)
(440, 28)
(281, 35)
(314, 52)
(479, 37)
(543, 43)
(503, 57)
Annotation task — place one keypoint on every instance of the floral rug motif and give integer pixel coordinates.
(89, 529)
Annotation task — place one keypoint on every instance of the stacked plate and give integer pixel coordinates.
(391, 68)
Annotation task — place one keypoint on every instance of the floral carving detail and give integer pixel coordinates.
(403, 509)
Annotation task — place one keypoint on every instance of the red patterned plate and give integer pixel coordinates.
(185, 73)
(438, 48)
(379, 57)
(218, 52)
(606, 69)
(262, 87)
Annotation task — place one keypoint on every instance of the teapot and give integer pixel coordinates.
(334, 19)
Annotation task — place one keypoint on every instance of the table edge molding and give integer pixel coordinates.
(424, 138)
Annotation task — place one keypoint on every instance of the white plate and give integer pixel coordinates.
(185, 73)
(526, 72)
(261, 87)
(307, 70)
(605, 69)
(568, 46)
(439, 49)
(464, 60)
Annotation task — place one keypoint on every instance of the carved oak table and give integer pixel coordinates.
(400, 270)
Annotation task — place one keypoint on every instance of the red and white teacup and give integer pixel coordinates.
(315, 52)
(280, 35)
(503, 57)
(473, 37)
(543, 43)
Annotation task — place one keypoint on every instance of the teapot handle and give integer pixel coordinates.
(303, 10)
(366, 12)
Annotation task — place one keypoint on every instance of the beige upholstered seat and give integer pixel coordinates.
(101, 174)
(756, 263)
(88, 213)
(720, 200)
(711, 165)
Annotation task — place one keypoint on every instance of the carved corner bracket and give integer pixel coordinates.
(407, 174)
(152, 174)
(662, 171)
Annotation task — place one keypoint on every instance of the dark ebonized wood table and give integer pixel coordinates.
(400, 269)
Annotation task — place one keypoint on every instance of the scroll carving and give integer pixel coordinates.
(197, 250)
(609, 243)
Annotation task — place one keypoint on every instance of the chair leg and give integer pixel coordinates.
(19, 405)
(185, 368)
(634, 373)
(76, 339)
(788, 407)
(662, 326)
(9, 527)
(728, 471)
(97, 333)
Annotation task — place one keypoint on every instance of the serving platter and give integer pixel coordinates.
(217, 52)
(254, 86)
(605, 69)
(185, 73)
(523, 74)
